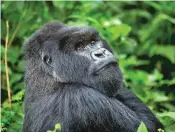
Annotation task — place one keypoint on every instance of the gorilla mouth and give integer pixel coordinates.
(105, 66)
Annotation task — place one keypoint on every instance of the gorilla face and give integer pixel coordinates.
(88, 60)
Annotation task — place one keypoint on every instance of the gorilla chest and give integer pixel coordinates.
(80, 110)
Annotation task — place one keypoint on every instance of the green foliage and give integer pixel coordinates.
(140, 33)
(57, 127)
(142, 128)
(160, 130)
(160, 50)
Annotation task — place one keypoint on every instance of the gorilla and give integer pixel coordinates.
(72, 78)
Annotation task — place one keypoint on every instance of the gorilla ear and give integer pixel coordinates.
(47, 53)
(47, 59)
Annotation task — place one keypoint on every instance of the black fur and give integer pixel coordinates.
(61, 89)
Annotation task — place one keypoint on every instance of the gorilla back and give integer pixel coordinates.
(73, 78)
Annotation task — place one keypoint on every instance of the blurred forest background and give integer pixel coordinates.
(141, 34)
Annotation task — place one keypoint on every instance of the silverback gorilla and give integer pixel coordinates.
(73, 78)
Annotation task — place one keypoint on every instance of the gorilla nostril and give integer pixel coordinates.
(98, 54)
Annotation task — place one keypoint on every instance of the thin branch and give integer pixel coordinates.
(14, 34)
(6, 65)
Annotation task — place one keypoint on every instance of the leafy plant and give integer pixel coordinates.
(142, 128)
(57, 127)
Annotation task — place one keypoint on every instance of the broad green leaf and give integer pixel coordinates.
(167, 51)
(142, 128)
(169, 114)
(58, 126)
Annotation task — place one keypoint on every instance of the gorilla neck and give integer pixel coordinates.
(40, 83)
(108, 88)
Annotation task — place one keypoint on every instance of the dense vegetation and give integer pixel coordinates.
(142, 35)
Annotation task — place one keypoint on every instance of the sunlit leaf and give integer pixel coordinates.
(142, 128)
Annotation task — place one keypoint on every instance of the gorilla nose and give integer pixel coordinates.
(100, 54)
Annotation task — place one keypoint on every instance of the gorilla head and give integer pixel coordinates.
(69, 55)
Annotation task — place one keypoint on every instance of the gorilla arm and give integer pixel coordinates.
(94, 110)
(125, 96)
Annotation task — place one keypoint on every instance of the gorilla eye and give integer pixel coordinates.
(79, 45)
